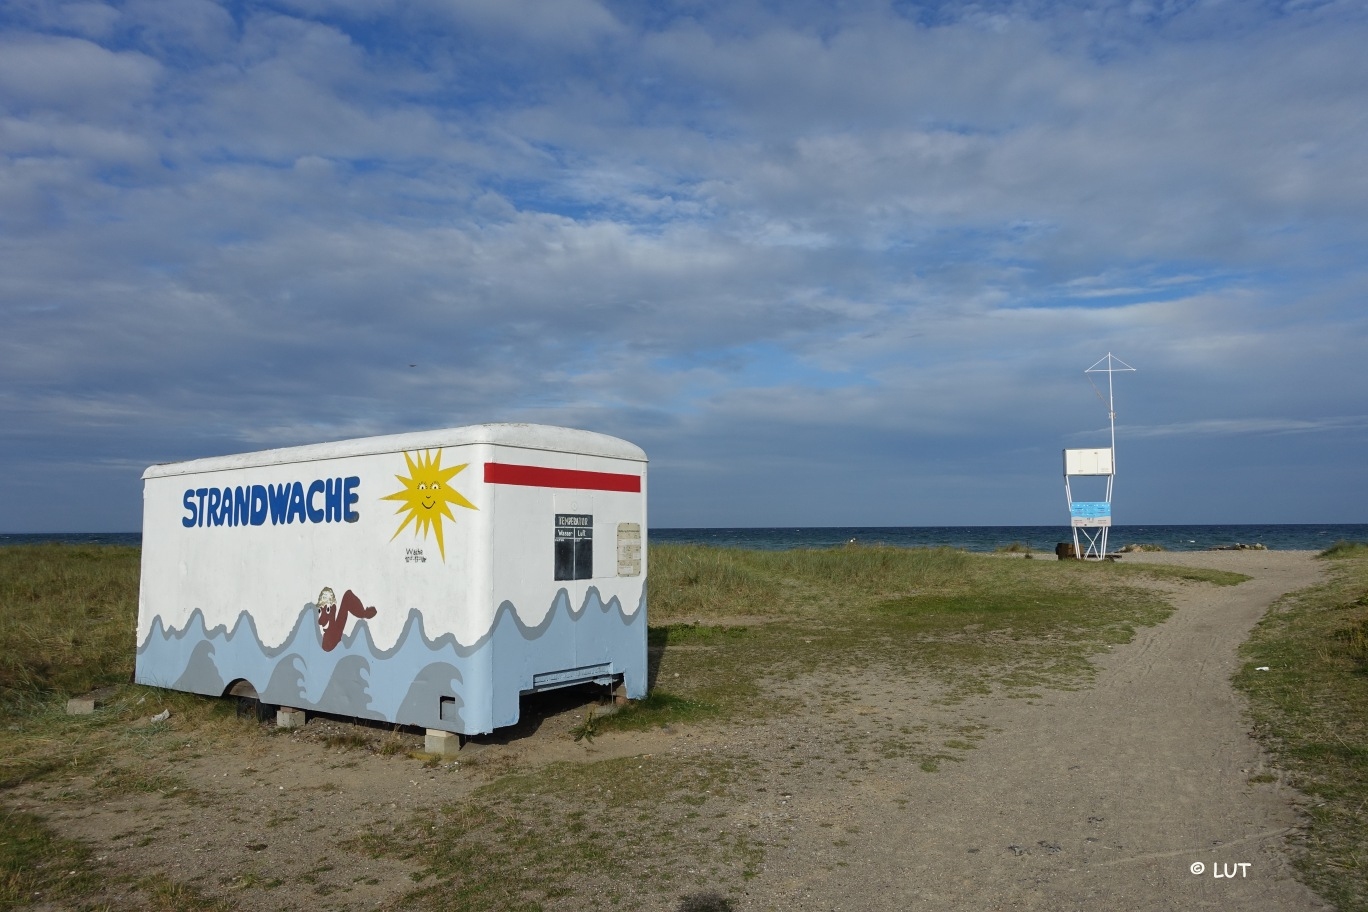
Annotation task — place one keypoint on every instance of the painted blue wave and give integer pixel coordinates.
(433, 682)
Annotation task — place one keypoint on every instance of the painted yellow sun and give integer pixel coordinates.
(426, 496)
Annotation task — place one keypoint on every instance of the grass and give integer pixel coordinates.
(736, 638)
(41, 870)
(67, 615)
(38, 867)
(727, 623)
(1310, 710)
(1015, 547)
(1341, 550)
(67, 620)
(348, 741)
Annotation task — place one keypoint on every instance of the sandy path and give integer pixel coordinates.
(1095, 799)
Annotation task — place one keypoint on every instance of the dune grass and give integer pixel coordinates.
(1342, 550)
(67, 618)
(1310, 709)
(735, 637)
(726, 623)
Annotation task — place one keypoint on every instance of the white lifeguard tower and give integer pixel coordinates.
(1091, 519)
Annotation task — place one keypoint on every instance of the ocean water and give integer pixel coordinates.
(1301, 537)
(72, 538)
(1295, 537)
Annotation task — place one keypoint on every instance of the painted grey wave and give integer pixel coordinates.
(430, 682)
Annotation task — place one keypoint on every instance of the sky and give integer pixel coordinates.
(828, 263)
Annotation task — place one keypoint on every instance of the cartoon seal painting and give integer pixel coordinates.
(333, 618)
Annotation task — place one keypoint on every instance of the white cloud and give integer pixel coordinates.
(78, 77)
(811, 237)
(1238, 427)
(86, 19)
(576, 24)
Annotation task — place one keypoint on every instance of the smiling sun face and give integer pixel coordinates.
(426, 496)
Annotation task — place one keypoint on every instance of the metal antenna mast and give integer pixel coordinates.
(1111, 362)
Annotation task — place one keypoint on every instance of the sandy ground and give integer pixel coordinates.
(1107, 797)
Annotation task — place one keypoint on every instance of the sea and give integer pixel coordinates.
(1280, 537)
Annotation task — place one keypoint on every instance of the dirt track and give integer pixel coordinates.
(1100, 798)
(1096, 799)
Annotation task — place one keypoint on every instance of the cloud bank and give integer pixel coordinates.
(827, 266)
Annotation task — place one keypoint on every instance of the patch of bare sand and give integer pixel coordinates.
(275, 821)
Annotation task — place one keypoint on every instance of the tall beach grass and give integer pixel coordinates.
(67, 618)
(1310, 709)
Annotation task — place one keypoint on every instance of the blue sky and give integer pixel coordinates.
(828, 263)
